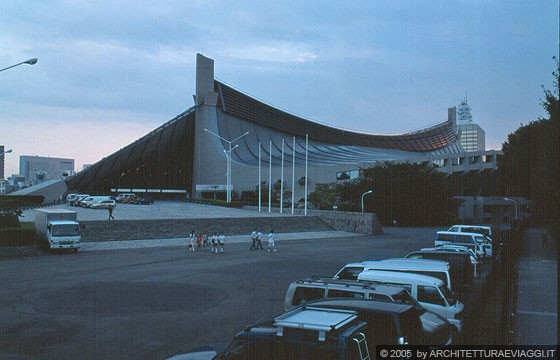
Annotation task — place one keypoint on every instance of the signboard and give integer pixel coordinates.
(213, 187)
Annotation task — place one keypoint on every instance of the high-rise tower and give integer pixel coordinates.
(471, 136)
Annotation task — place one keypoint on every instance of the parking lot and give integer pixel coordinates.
(140, 301)
(150, 303)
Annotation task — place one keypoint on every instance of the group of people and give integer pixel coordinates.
(197, 242)
(256, 238)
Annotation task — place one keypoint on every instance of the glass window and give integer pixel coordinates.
(430, 294)
(345, 294)
(379, 297)
(304, 294)
(448, 295)
(350, 273)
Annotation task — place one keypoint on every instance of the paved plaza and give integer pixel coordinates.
(162, 210)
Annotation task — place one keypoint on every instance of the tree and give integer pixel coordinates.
(412, 194)
(530, 167)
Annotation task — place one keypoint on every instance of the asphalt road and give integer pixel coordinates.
(151, 303)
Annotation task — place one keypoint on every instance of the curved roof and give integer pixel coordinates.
(242, 106)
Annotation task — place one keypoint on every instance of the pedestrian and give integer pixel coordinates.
(199, 242)
(191, 240)
(111, 217)
(254, 240)
(214, 243)
(205, 242)
(221, 242)
(271, 241)
(259, 240)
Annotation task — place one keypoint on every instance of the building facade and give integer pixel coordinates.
(231, 141)
(37, 169)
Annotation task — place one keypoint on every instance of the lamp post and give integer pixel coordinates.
(364, 194)
(2, 158)
(5, 152)
(228, 161)
(516, 207)
(32, 61)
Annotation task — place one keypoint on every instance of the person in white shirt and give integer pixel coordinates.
(254, 240)
(259, 238)
(271, 241)
(214, 243)
(221, 242)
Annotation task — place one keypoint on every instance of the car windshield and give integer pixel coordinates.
(448, 295)
(66, 230)
(350, 272)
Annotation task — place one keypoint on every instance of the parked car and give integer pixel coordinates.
(475, 241)
(75, 201)
(435, 268)
(124, 197)
(480, 229)
(436, 329)
(142, 200)
(104, 204)
(460, 265)
(70, 198)
(430, 292)
(340, 329)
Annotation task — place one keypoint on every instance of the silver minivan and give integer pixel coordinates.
(430, 292)
(475, 241)
(436, 268)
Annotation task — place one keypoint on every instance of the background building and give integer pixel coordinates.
(471, 136)
(37, 169)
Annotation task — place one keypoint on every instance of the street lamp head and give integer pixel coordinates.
(8, 151)
(32, 61)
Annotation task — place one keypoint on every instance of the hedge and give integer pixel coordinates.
(23, 236)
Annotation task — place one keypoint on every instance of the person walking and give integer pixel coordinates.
(205, 242)
(214, 243)
(111, 217)
(259, 241)
(221, 242)
(271, 241)
(191, 241)
(254, 240)
(198, 242)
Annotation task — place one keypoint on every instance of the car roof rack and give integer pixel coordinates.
(315, 319)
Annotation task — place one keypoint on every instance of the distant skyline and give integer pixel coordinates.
(110, 72)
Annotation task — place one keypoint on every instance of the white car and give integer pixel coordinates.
(104, 204)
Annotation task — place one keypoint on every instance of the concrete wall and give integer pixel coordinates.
(180, 228)
(360, 223)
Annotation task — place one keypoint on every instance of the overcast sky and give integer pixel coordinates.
(111, 71)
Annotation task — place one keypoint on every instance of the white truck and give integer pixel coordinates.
(58, 228)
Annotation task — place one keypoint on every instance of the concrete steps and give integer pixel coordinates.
(180, 228)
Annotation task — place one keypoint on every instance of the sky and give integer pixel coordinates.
(109, 72)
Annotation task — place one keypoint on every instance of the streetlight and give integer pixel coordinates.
(515, 202)
(5, 152)
(228, 163)
(364, 194)
(32, 61)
